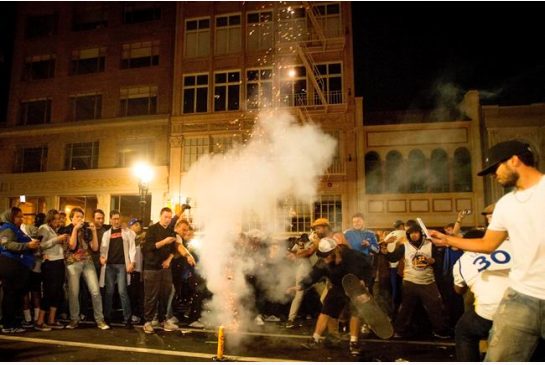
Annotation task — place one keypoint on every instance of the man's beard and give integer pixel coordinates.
(511, 180)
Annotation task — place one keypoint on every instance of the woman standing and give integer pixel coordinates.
(52, 271)
(16, 261)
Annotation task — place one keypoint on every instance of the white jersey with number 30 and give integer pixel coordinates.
(486, 275)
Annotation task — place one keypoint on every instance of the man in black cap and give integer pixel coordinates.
(519, 321)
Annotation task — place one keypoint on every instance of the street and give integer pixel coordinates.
(268, 343)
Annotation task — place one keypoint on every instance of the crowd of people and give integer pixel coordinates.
(467, 285)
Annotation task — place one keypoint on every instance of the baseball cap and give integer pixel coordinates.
(320, 222)
(134, 221)
(326, 246)
(398, 223)
(501, 152)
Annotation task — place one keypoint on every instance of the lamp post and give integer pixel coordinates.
(144, 173)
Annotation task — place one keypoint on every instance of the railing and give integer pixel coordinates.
(336, 167)
(304, 99)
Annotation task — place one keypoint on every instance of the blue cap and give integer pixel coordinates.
(134, 221)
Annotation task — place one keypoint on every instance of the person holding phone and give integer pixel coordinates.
(53, 271)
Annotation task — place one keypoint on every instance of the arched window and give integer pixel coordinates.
(417, 172)
(462, 170)
(373, 173)
(394, 178)
(438, 176)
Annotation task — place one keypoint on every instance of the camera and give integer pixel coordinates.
(87, 233)
(466, 211)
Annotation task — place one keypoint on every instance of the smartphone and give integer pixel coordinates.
(423, 227)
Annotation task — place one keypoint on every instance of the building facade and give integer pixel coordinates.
(98, 86)
(419, 168)
(233, 59)
(91, 93)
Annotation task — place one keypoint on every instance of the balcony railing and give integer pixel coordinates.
(304, 99)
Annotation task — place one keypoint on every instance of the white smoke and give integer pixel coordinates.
(281, 159)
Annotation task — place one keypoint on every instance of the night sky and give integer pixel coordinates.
(422, 55)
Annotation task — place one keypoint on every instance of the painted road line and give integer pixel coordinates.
(186, 331)
(198, 355)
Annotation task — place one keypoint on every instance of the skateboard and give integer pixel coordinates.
(368, 309)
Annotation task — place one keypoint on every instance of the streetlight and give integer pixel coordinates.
(144, 173)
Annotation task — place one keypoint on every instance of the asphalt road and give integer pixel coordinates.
(268, 343)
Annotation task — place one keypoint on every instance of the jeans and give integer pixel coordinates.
(117, 273)
(518, 326)
(75, 270)
(470, 329)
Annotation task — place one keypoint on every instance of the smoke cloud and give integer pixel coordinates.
(281, 159)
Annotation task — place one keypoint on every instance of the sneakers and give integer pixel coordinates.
(259, 320)
(365, 329)
(135, 319)
(271, 318)
(102, 325)
(56, 326)
(168, 326)
(27, 324)
(155, 324)
(13, 331)
(290, 324)
(173, 319)
(148, 328)
(196, 324)
(312, 344)
(73, 324)
(354, 348)
(42, 327)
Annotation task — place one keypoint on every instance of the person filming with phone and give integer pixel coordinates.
(519, 321)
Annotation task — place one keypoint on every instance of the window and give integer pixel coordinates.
(141, 54)
(141, 12)
(31, 159)
(129, 206)
(138, 101)
(85, 107)
(86, 61)
(40, 26)
(88, 17)
(330, 79)
(226, 91)
(222, 144)
(194, 148)
(81, 156)
(35, 112)
(417, 172)
(394, 172)
(462, 170)
(373, 173)
(330, 207)
(228, 36)
(39, 67)
(259, 32)
(292, 24)
(195, 93)
(259, 88)
(438, 177)
(197, 37)
(130, 152)
(297, 213)
(87, 203)
(329, 17)
(293, 86)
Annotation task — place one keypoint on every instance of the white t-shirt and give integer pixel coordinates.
(486, 275)
(522, 215)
